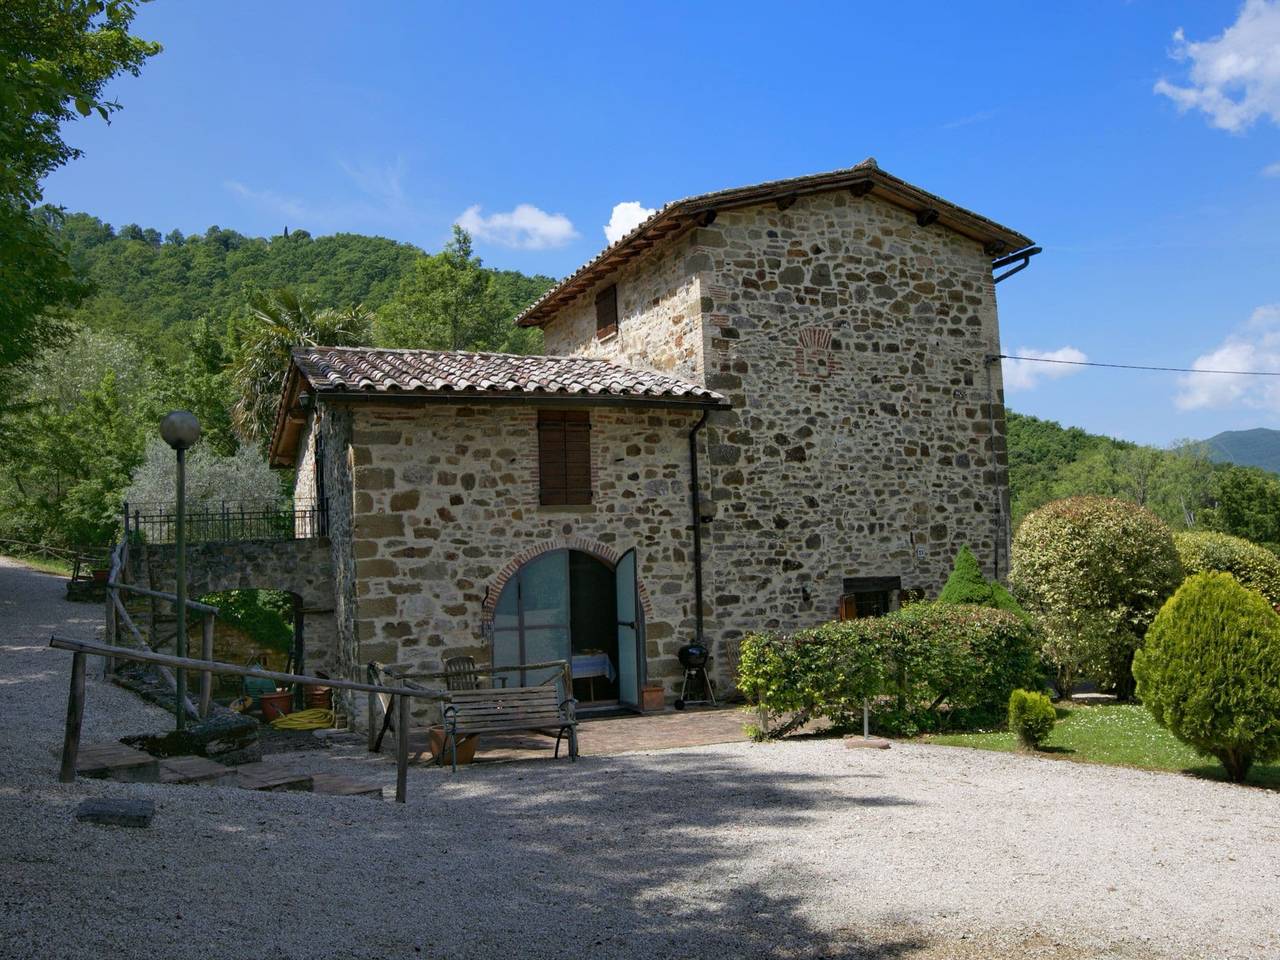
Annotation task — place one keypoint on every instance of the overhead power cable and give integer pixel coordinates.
(1137, 366)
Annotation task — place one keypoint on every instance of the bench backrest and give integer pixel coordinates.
(514, 707)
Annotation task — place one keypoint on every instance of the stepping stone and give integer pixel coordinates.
(115, 761)
(336, 785)
(265, 776)
(193, 770)
(866, 743)
(116, 813)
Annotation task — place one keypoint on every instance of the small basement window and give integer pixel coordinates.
(869, 596)
(607, 312)
(564, 457)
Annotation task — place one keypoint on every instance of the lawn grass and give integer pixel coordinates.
(1118, 734)
(44, 564)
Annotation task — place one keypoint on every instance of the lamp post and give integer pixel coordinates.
(180, 430)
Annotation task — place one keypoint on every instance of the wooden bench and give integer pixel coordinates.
(473, 712)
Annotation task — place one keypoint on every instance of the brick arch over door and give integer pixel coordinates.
(595, 548)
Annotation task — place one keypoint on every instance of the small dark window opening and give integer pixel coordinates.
(321, 504)
(868, 596)
(564, 457)
(607, 312)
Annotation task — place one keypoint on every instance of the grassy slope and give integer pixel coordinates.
(1121, 734)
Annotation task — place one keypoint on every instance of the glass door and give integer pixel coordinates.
(531, 622)
(630, 632)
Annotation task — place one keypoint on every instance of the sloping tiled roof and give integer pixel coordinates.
(865, 178)
(357, 370)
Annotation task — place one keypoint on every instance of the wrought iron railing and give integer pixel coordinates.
(229, 521)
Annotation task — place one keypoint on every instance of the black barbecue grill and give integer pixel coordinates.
(694, 658)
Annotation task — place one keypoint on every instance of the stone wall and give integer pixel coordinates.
(301, 567)
(446, 506)
(867, 435)
(852, 343)
(659, 318)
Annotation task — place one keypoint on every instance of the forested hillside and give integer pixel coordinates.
(1259, 447)
(205, 323)
(1182, 485)
(155, 288)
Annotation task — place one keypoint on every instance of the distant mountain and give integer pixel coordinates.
(1259, 447)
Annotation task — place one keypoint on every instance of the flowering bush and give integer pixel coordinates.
(1255, 567)
(1093, 571)
(930, 665)
(1210, 671)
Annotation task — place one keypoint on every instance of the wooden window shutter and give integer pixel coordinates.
(564, 457)
(607, 312)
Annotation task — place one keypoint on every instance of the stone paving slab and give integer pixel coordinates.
(116, 813)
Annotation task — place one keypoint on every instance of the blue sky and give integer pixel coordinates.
(1138, 142)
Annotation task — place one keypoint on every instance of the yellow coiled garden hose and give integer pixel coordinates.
(304, 720)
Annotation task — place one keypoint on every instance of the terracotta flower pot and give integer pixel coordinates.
(319, 698)
(466, 746)
(652, 699)
(276, 704)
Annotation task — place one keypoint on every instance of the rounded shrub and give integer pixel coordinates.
(1254, 566)
(1031, 718)
(1093, 571)
(1210, 671)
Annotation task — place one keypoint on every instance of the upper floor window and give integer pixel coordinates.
(607, 312)
(564, 457)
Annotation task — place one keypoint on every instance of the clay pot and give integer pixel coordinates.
(466, 746)
(276, 704)
(319, 698)
(652, 699)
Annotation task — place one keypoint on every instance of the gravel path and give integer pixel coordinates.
(802, 849)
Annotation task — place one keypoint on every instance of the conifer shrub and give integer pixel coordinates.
(1031, 718)
(967, 585)
(1209, 671)
(1093, 571)
(1256, 567)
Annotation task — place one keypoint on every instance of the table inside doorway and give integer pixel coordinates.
(588, 666)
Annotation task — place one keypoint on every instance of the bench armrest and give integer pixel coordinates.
(568, 707)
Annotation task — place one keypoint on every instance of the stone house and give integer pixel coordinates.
(762, 408)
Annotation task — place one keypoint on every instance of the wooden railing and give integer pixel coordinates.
(81, 649)
(118, 614)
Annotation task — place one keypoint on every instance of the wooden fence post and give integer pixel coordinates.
(402, 747)
(206, 653)
(75, 715)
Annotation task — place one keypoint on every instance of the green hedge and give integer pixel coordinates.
(1253, 565)
(928, 666)
(1031, 718)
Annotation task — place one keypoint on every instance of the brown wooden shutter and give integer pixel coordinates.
(564, 457)
(607, 312)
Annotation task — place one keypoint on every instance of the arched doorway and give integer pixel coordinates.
(571, 605)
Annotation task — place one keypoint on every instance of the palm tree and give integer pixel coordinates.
(278, 322)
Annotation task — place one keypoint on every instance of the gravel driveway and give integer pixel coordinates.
(802, 849)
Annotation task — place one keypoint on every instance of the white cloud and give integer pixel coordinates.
(1255, 346)
(1271, 169)
(1234, 78)
(276, 203)
(1026, 374)
(626, 217)
(525, 228)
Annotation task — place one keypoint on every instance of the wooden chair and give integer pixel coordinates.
(461, 673)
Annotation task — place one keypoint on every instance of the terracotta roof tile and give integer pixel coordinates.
(435, 372)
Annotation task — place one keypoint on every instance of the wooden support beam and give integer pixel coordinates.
(706, 218)
(861, 188)
(206, 653)
(75, 718)
(995, 248)
(926, 216)
(402, 748)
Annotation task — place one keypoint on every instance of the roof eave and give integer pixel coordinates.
(683, 215)
(524, 398)
(282, 450)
